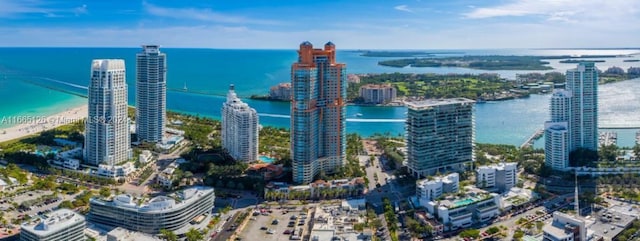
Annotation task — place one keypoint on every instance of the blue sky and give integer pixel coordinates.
(352, 24)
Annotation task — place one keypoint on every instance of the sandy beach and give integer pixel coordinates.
(31, 124)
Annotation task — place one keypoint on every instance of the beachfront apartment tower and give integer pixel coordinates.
(582, 82)
(557, 139)
(440, 135)
(318, 114)
(239, 128)
(556, 145)
(574, 117)
(151, 93)
(107, 139)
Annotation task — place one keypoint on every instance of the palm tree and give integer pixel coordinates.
(194, 235)
(168, 235)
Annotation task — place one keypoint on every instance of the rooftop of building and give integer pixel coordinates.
(421, 104)
(560, 229)
(107, 64)
(517, 196)
(128, 235)
(432, 180)
(470, 196)
(264, 166)
(609, 223)
(52, 222)
(282, 85)
(376, 86)
(318, 183)
(156, 204)
(334, 221)
(500, 166)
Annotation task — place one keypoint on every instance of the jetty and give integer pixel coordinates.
(529, 142)
(608, 138)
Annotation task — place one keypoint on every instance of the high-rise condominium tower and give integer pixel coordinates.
(239, 128)
(107, 139)
(582, 82)
(574, 117)
(319, 90)
(557, 139)
(440, 135)
(151, 97)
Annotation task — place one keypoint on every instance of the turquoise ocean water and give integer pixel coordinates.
(25, 72)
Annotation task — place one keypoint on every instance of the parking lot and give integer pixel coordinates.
(289, 225)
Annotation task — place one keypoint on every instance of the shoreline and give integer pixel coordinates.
(26, 125)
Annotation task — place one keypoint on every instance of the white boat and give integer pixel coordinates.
(358, 114)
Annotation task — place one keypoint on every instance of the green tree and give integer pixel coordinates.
(470, 233)
(194, 235)
(226, 209)
(105, 192)
(168, 235)
(583, 157)
(608, 153)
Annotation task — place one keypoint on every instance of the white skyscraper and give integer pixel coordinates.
(574, 117)
(582, 82)
(107, 139)
(557, 139)
(239, 128)
(151, 97)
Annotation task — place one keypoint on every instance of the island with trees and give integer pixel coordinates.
(487, 62)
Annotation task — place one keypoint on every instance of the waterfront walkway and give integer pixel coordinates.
(529, 142)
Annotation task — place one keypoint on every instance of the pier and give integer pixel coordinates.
(529, 142)
(608, 138)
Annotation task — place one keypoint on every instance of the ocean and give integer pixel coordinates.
(43, 81)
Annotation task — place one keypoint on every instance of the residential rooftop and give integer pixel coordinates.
(157, 204)
(424, 104)
(472, 195)
(52, 222)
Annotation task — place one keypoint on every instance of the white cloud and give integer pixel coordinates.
(16, 8)
(403, 8)
(81, 10)
(13, 8)
(205, 15)
(205, 36)
(563, 10)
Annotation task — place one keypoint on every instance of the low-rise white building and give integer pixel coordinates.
(145, 156)
(59, 225)
(462, 212)
(9, 182)
(565, 227)
(116, 171)
(165, 178)
(516, 197)
(71, 164)
(429, 189)
(499, 177)
(69, 159)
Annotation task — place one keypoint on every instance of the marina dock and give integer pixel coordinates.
(608, 138)
(529, 142)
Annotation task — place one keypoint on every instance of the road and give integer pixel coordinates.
(386, 227)
(223, 234)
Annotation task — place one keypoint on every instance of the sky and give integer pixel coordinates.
(350, 24)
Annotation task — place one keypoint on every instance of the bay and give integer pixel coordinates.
(24, 72)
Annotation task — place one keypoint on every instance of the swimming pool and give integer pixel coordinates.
(266, 159)
(463, 202)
